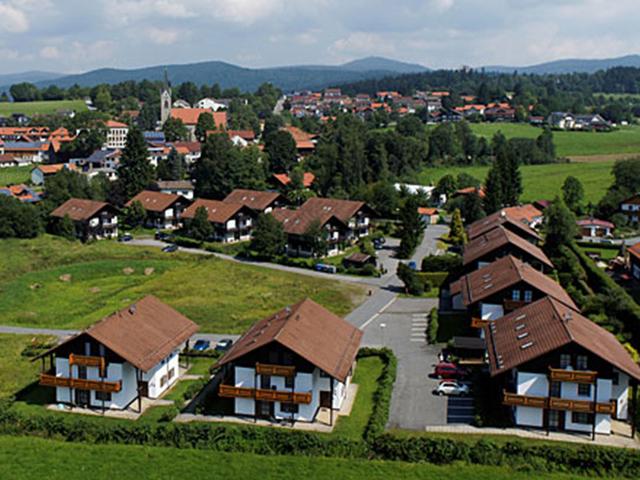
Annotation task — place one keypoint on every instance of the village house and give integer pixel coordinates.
(559, 370)
(281, 180)
(498, 243)
(502, 218)
(190, 150)
(354, 214)
(127, 356)
(259, 202)
(232, 222)
(527, 213)
(501, 287)
(92, 220)
(27, 152)
(116, 134)
(184, 188)
(633, 260)
(630, 207)
(594, 227)
(291, 365)
(429, 216)
(40, 173)
(305, 142)
(189, 117)
(21, 192)
(163, 210)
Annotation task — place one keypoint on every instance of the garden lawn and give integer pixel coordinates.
(16, 371)
(368, 370)
(43, 107)
(540, 181)
(221, 296)
(12, 175)
(28, 458)
(625, 140)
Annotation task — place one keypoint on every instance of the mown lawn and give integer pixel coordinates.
(16, 370)
(368, 370)
(51, 282)
(43, 107)
(12, 175)
(625, 140)
(540, 181)
(28, 458)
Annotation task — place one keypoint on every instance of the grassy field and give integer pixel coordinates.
(14, 175)
(625, 140)
(366, 377)
(219, 295)
(43, 108)
(540, 181)
(27, 458)
(16, 370)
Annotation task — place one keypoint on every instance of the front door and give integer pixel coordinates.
(264, 409)
(144, 389)
(325, 399)
(82, 398)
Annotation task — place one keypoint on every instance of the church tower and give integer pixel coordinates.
(165, 100)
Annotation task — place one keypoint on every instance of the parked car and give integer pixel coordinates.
(201, 345)
(125, 238)
(378, 243)
(449, 370)
(224, 345)
(163, 236)
(322, 267)
(412, 265)
(452, 387)
(170, 248)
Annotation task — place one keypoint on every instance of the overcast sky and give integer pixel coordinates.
(78, 35)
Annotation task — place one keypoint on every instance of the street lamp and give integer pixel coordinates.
(383, 326)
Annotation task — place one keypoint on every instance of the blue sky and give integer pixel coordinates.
(78, 35)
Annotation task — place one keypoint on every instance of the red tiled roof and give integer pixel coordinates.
(303, 139)
(344, 210)
(594, 222)
(322, 338)
(496, 219)
(114, 124)
(80, 209)
(307, 179)
(152, 201)
(550, 325)
(189, 116)
(526, 212)
(469, 190)
(55, 168)
(253, 199)
(218, 212)
(427, 211)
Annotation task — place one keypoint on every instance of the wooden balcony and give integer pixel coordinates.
(576, 376)
(49, 380)
(87, 361)
(275, 370)
(511, 305)
(554, 403)
(229, 391)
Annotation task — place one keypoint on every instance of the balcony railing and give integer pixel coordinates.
(87, 361)
(555, 403)
(275, 370)
(229, 391)
(48, 380)
(576, 376)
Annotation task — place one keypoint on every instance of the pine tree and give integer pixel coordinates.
(493, 191)
(65, 228)
(269, 239)
(135, 171)
(134, 215)
(472, 209)
(457, 235)
(559, 225)
(572, 193)
(199, 227)
(172, 168)
(174, 130)
(411, 228)
(281, 148)
(205, 124)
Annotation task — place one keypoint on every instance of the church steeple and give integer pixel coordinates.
(165, 99)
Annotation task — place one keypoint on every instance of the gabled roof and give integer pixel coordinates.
(143, 334)
(174, 185)
(503, 274)
(496, 219)
(498, 238)
(80, 209)
(595, 222)
(548, 325)
(254, 199)
(297, 222)
(154, 201)
(525, 213)
(189, 116)
(304, 140)
(634, 250)
(309, 330)
(344, 210)
(633, 200)
(114, 124)
(218, 212)
(54, 168)
(307, 179)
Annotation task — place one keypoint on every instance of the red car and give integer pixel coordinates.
(449, 370)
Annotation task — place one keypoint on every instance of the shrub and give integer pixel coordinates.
(412, 283)
(187, 242)
(382, 396)
(442, 263)
(432, 329)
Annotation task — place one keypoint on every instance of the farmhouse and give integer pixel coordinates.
(502, 218)
(290, 365)
(560, 371)
(92, 220)
(40, 173)
(259, 202)
(498, 243)
(128, 355)
(429, 216)
(503, 286)
(232, 222)
(163, 210)
(593, 227)
(527, 213)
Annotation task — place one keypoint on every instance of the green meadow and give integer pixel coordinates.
(44, 107)
(11, 175)
(52, 282)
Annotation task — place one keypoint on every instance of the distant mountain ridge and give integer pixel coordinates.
(31, 77)
(228, 75)
(571, 65)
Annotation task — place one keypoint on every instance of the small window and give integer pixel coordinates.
(265, 382)
(515, 295)
(565, 360)
(581, 417)
(528, 296)
(581, 362)
(289, 407)
(288, 382)
(555, 389)
(103, 396)
(584, 390)
(163, 381)
(172, 373)
(615, 378)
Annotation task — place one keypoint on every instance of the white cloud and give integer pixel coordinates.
(246, 12)
(12, 19)
(162, 36)
(359, 43)
(50, 52)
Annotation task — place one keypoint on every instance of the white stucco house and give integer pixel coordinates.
(126, 356)
(291, 364)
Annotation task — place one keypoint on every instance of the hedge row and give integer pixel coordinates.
(382, 396)
(448, 262)
(432, 329)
